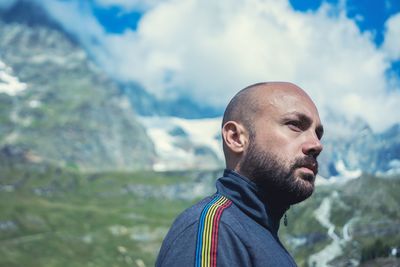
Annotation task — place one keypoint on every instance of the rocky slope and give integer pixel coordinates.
(56, 105)
(352, 146)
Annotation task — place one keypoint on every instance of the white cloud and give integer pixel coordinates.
(211, 49)
(129, 5)
(391, 44)
(76, 18)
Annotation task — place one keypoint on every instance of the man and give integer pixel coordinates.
(271, 140)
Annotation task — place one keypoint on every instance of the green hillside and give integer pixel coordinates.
(364, 216)
(60, 217)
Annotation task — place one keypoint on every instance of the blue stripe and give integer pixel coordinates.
(201, 228)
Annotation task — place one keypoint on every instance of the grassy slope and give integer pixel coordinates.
(59, 217)
(62, 218)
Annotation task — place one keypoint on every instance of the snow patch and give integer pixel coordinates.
(34, 103)
(344, 172)
(44, 58)
(344, 175)
(9, 84)
(185, 144)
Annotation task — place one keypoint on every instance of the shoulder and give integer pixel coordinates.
(213, 226)
(188, 217)
(198, 227)
(220, 236)
(180, 241)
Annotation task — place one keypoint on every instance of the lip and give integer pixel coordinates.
(310, 168)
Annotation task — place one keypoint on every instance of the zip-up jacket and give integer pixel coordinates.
(234, 227)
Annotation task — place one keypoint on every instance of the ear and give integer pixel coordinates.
(235, 137)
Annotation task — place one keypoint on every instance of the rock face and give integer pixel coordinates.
(183, 144)
(57, 105)
(351, 146)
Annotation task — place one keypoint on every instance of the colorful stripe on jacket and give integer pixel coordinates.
(207, 236)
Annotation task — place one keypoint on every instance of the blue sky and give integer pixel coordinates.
(345, 53)
(368, 15)
(115, 20)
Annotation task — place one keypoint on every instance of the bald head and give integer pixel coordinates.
(243, 106)
(262, 99)
(247, 103)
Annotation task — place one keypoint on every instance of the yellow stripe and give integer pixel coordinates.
(207, 234)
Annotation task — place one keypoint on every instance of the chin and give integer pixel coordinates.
(302, 189)
(300, 197)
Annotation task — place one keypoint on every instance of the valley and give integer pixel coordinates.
(57, 217)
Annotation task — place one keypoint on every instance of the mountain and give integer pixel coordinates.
(56, 105)
(28, 13)
(146, 104)
(183, 144)
(81, 117)
(350, 147)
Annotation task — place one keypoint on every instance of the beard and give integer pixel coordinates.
(278, 181)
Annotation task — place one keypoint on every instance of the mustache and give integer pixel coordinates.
(307, 161)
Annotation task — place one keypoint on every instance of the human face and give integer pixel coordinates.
(282, 154)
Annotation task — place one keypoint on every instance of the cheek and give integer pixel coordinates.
(285, 154)
(278, 151)
(279, 143)
(282, 149)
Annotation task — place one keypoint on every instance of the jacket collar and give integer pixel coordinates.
(248, 197)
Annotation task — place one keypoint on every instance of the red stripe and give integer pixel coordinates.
(214, 243)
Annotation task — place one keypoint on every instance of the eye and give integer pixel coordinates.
(294, 125)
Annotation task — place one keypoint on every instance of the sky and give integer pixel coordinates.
(344, 53)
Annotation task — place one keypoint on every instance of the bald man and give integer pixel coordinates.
(271, 140)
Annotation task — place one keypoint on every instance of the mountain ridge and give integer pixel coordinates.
(350, 146)
(70, 112)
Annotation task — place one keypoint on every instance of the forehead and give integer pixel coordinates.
(285, 101)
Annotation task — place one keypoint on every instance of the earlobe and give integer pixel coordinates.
(234, 136)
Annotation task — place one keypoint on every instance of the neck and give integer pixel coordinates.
(276, 201)
(268, 201)
(277, 205)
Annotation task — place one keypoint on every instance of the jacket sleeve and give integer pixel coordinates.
(182, 248)
(231, 250)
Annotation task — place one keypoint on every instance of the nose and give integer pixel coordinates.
(312, 147)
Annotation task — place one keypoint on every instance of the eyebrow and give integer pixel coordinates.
(319, 130)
